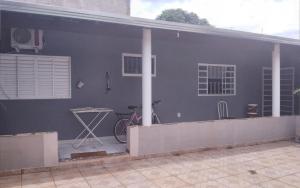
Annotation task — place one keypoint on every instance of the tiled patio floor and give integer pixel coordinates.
(110, 146)
(269, 165)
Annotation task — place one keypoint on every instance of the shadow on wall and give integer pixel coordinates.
(3, 119)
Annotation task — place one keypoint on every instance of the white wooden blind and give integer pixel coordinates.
(34, 77)
(8, 76)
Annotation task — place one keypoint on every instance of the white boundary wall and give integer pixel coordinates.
(298, 129)
(28, 150)
(180, 137)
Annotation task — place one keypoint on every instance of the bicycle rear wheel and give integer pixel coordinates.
(120, 130)
(155, 119)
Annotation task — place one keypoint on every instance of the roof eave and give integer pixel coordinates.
(140, 22)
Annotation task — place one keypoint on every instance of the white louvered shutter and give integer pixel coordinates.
(45, 77)
(8, 77)
(61, 78)
(34, 77)
(25, 77)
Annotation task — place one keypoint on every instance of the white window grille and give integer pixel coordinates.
(132, 64)
(287, 83)
(34, 77)
(216, 80)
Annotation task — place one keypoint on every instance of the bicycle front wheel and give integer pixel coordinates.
(120, 130)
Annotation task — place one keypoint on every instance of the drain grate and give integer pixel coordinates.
(252, 171)
(176, 154)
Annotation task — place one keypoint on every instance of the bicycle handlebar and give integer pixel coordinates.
(132, 107)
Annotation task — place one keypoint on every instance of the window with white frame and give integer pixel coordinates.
(132, 64)
(216, 80)
(34, 77)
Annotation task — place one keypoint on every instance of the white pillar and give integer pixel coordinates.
(0, 24)
(147, 78)
(276, 81)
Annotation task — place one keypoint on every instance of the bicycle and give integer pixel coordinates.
(134, 118)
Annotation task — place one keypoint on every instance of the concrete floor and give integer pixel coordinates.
(274, 165)
(110, 145)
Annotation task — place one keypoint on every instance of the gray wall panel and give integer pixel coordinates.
(97, 47)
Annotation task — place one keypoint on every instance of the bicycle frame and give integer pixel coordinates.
(155, 116)
(135, 118)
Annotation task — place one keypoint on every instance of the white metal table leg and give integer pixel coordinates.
(83, 131)
(88, 129)
(99, 122)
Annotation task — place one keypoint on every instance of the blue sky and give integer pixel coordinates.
(273, 17)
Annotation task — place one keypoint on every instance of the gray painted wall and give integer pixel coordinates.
(112, 6)
(97, 47)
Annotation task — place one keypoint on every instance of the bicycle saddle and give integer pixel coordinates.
(123, 114)
(131, 107)
(156, 102)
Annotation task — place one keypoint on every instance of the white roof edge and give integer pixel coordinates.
(140, 22)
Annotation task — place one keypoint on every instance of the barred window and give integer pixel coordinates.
(216, 80)
(132, 65)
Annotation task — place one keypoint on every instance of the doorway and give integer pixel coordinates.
(287, 76)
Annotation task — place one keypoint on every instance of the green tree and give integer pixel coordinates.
(181, 16)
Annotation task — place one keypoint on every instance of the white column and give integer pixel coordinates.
(276, 81)
(0, 24)
(147, 78)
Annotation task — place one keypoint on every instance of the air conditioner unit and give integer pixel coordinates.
(26, 39)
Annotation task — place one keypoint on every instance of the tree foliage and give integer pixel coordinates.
(181, 16)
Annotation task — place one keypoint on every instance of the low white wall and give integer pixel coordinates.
(158, 139)
(28, 150)
(298, 128)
